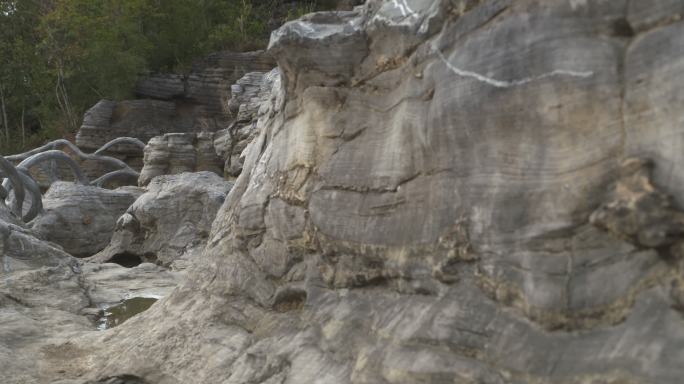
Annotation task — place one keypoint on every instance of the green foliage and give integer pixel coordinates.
(59, 57)
(24, 80)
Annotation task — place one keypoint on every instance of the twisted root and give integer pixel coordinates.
(12, 175)
(18, 179)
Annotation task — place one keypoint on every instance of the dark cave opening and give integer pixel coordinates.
(126, 259)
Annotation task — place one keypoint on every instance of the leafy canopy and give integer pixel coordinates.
(59, 57)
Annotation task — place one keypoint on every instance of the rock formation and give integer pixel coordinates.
(248, 94)
(142, 119)
(220, 152)
(445, 191)
(170, 221)
(171, 103)
(176, 153)
(81, 219)
(48, 298)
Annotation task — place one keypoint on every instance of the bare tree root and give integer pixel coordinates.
(17, 181)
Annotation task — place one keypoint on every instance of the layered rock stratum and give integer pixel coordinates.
(171, 103)
(437, 192)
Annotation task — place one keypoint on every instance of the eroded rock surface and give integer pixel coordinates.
(176, 153)
(439, 192)
(48, 298)
(170, 221)
(171, 103)
(81, 219)
(142, 119)
(249, 93)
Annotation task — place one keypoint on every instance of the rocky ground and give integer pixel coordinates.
(428, 191)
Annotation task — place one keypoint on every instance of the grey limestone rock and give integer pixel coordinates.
(249, 94)
(420, 205)
(142, 119)
(48, 299)
(442, 192)
(175, 153)
(81, 219)
(171, 103)
(170, 221)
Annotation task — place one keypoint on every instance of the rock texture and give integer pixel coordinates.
(81, 219)
(171, 103)
(169, 222)
(22, 250)
(48, 298)
(248, 95)
(441, 192)
(176, 153)
(142, 119)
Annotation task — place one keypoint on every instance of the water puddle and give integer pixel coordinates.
(117, 314)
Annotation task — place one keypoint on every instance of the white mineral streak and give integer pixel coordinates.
(404, 8)
(509, 83)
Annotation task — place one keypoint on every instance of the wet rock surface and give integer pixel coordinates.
(114, 315)
(437, 192)
(48, 298)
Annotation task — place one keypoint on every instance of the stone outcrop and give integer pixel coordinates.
(171, 103)
(209, 82)
(220, 152)
(176, 153)
(23, 250)
(81, 219)
(171, 221)
(417, 208)
(439, 192)
(142, 119)
(248, 95)
(48, 297)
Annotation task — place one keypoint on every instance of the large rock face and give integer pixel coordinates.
(171, 221)
(81, 218)
(443, 192)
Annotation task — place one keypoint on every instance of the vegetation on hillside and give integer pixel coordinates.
(58, 57)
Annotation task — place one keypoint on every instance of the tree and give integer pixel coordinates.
(59, 57)
(22, 71)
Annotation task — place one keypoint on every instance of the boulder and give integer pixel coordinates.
(48, 299)
(170, 221)
(40, 297)
(81, 219)
(176, 153)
